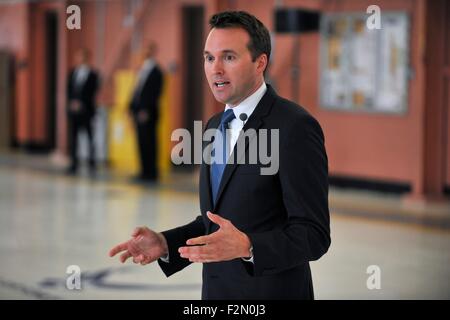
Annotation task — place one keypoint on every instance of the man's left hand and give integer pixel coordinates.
(225, 244)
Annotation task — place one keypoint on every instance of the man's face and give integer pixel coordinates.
(229, 69)
(80, 57)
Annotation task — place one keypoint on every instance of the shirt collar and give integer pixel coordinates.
(148, 64)
(249, 104)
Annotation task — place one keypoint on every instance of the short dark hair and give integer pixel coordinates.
(259, 35)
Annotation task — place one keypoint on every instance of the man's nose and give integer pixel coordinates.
(217, 67)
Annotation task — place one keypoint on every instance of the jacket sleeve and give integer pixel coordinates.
(303, 174)
(177, 238)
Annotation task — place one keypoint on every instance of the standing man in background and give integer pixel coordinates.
(82, 87)
(144, 109)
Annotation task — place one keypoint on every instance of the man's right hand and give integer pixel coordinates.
(145, 246)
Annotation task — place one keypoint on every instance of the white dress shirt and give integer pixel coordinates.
(145, 70)
(81, 74)
(246, 106)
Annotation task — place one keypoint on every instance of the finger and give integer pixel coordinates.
(202, 258)
(201, 240)
(216, 219)
(136, 260)
(185, 252)
(139, 258)
(134, 246)
(146, 260)
(137, 231)
(120, 247)
(125, 256)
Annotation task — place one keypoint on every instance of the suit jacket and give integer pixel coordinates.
(147, 98)
(285, 215)
(84, 93)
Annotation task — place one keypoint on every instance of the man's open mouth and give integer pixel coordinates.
(220, 84)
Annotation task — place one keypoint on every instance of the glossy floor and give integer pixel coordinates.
(49, 222)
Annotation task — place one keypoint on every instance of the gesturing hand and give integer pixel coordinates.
(145, 246)
(225, 244)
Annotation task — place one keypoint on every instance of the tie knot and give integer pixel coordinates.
(227, 117)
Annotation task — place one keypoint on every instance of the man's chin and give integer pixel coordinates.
(221, 98)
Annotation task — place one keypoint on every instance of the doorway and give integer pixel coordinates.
(51, 57)
(192, 23)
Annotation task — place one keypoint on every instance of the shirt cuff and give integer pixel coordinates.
(251, 256)
(165, 258)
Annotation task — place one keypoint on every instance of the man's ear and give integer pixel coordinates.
(261, 63)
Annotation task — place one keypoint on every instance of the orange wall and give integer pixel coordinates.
(448, 126)
(447, 96)
(162, 23)
(358, 144)
(374, 146)
(377, 146)
(38, 121)
(366, 145)
(22, 32)
(386, 147)
(14, 38)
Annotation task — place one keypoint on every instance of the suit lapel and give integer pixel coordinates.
(205, 179)
(254, 122)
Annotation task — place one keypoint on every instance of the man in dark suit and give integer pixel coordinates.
(82, 87)
(144, 108)
(256, 233)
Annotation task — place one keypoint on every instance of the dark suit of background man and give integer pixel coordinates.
(82, 87)
(144, 109)
(256, 233)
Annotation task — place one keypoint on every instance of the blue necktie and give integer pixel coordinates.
(220, 158)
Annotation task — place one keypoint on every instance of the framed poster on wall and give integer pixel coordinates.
(363, 69)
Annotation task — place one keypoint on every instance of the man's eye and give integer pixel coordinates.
(229, 58)
(209, 58)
